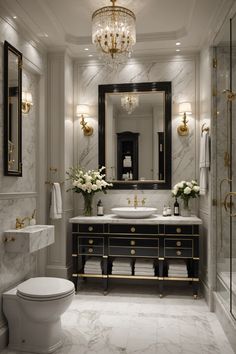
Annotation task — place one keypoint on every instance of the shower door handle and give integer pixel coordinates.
(230, 194)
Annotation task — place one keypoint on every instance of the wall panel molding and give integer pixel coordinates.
(18, 195)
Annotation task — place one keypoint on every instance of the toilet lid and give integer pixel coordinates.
(45, 287)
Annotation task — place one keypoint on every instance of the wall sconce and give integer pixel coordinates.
(27, 102)
(184, 108)
(82, 111)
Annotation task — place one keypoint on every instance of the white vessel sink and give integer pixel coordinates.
(133, 213)
(29, 239)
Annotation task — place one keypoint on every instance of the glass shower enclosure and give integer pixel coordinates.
(224, 159)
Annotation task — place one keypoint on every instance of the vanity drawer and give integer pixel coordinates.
(134, 252)
(96, 241)
(133, 229)
(178, 229)
(90, 228)
(178, 252)
(138, 242)
(90, 250)
(178, 243)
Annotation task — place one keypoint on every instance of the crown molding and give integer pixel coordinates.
(140, 38)
(225, 11)
(20, 28)
(142, 59)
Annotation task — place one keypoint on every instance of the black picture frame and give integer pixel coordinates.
(15, 91)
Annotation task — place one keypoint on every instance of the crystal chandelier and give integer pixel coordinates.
(113, 32)
(129, 102)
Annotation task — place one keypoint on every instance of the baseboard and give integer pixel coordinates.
(208, 295)
(59, 271)
(227, 322)
(3, 336)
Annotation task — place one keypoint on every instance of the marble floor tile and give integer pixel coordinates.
(137, 321)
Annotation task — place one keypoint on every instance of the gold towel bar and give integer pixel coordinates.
(51, 183)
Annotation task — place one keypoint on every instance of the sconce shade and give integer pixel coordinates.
(185, 107)
(27, 97)
(82, 109)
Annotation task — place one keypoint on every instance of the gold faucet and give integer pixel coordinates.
(20, 223)
(136, 201)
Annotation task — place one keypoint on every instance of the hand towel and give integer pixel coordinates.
(56, 202)
(204, 162)
(204, 150)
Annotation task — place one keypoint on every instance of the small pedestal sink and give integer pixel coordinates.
(29, 239)
(133, 213)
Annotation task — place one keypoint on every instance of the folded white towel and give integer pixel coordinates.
(56, 202)
(151, 274)
(121, 272)
(122, 261)
(144, 263)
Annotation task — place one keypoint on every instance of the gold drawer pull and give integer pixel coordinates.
(90, 228)
(178, 253)
(132, 243)
(178, 230)
(178, 243)
(132, 252)
(90, 242)
(90, 250)
(132, 229)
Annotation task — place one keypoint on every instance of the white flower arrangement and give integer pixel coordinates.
(88, 182)
(186, 190)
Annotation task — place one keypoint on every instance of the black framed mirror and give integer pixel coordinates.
(12, 111)
(135, 134)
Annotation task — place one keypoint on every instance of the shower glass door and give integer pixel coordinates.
(225, 159)
(233, 173)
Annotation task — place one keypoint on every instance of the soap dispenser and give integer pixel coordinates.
(33, 220)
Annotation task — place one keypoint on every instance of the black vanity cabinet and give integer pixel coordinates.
(161, 243)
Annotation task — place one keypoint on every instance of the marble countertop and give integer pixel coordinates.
(152, 220)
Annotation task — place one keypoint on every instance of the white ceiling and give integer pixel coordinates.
(160, 23)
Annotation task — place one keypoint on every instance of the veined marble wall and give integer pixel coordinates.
(182, 72)
(18, 195)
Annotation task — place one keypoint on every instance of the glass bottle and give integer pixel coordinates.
(99, 208)
(176, 207)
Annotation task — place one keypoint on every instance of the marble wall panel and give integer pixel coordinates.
(18, 194)
(182, 72)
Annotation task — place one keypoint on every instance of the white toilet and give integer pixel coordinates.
(33, 311)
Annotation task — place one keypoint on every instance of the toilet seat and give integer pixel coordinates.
(45, 289)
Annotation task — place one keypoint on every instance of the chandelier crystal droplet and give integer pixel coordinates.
(113, 32)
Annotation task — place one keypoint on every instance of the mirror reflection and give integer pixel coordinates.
(136, 148)
(12, 110)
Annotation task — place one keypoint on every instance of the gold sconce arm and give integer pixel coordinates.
(88, 130)
(27, 102)
(182, 129)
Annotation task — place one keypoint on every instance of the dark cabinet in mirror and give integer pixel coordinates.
(135, 134)
(12, 111)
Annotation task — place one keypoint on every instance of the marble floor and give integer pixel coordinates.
(134, 320)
